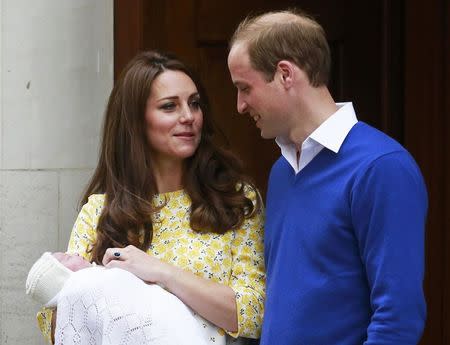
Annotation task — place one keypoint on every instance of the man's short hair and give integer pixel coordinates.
(285, 35)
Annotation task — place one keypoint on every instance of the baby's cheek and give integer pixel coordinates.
(77, 263)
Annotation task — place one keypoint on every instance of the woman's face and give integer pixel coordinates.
(173, 117)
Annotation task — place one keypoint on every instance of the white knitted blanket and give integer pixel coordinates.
(100, 306)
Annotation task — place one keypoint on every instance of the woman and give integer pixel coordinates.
(170, 206)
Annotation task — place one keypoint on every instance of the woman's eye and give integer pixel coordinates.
(168, 106)
(195, 104)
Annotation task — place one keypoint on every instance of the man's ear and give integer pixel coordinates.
(285, 73)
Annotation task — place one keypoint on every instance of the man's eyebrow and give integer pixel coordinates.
(239, 83)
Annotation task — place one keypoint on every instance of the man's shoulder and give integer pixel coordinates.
(368, 134)
(375, 152)
(371, 143)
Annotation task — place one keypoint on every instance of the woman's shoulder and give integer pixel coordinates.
(250, 190)
(96, 198)
(95, 201)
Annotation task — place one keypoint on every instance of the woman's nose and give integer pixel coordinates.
(187, 115)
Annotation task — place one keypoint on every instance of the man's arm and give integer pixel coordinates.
(389, 205)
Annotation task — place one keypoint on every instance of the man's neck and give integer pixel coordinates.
(314, 109)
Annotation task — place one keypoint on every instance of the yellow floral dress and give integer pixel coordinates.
(234, 258)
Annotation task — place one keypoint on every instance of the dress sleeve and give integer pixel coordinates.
(81, 239)
(44, 320)
(248, 273)
(84, 230)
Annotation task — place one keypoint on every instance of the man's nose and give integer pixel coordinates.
(241, 105)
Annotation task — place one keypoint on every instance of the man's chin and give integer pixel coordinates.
(266, 135)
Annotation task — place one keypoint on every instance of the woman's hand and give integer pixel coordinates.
(142, 265)
(214, 301)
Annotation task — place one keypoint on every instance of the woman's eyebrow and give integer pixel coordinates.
(168, 97)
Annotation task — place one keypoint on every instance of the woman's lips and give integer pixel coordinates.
(185, 135)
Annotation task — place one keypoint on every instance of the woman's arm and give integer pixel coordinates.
(248, 277)
(44, 320)
(53, 326)
(213, 301)
(236, 307)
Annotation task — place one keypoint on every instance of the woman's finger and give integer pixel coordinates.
(115, 264)
(113, 254)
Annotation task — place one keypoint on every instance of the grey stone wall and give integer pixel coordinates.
(56, 72)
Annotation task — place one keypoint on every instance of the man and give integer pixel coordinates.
(346, 204)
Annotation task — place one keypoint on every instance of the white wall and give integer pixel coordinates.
(56, 72)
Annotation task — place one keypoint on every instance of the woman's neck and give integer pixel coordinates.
(168, 175)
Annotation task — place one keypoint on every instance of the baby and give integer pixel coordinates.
(49, 274)
(112, 306)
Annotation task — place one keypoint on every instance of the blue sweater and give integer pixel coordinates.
(344, 246)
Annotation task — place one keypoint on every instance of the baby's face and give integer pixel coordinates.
(71, 261)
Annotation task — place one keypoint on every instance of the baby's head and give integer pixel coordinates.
(73, 262)
(48, 275)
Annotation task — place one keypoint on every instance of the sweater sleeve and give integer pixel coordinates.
(248, 274)
(81, 238)
(389, 205)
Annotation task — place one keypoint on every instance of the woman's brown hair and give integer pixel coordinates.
(213, 177)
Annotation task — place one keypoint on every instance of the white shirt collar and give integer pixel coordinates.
(330, 134)
(333, 131)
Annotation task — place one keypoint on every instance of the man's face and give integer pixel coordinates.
(261, 99)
